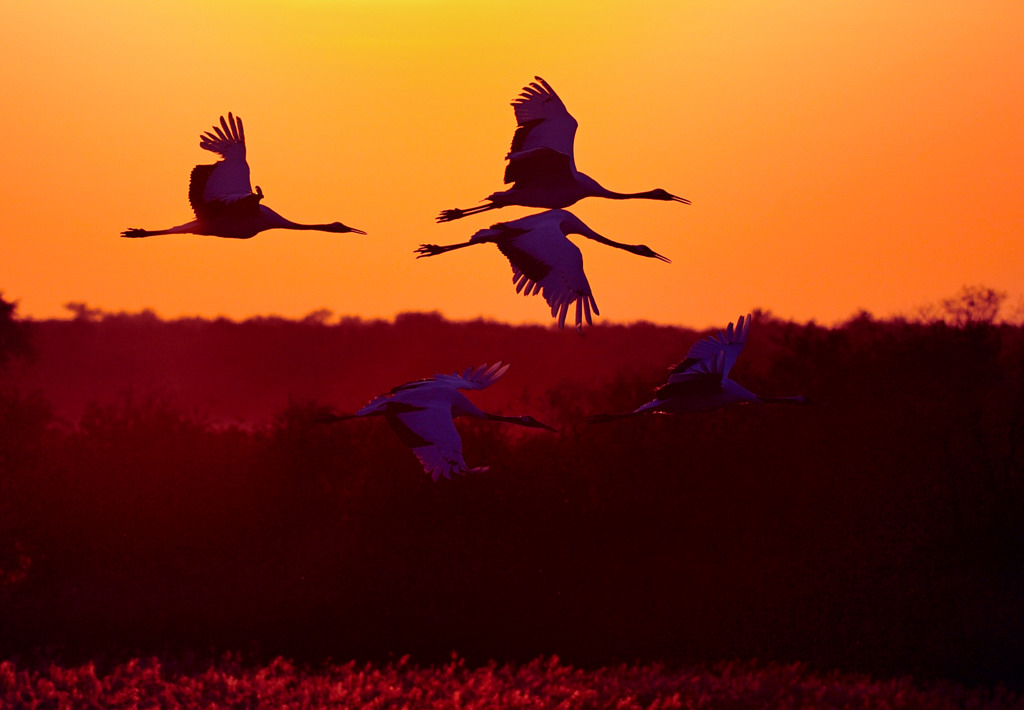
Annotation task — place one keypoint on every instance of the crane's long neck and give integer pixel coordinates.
(591, 234)
(796, 399)
(462, 407)
(276, 221)
(524, 420)
(288, 224)
(612, 195)
(500, 418)
(595, 189)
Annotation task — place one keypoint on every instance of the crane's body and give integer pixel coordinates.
(700, 383)
(422, 413)
(541, 164)
(222, 198)
(544, 261)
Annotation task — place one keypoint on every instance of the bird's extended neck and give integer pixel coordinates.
(273, 220)
(276, 221)
(501, 418)
(797, 399)
(612, 195)
(576, 226)
(524, 420)
(597, 190)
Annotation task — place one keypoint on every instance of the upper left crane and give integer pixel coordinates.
(222, 198)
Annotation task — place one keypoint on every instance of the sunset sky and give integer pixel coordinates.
(839, 156)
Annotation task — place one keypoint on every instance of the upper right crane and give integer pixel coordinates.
(541, 166)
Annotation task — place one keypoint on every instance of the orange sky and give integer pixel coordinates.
(839, 156)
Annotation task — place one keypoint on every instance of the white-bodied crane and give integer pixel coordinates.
(700, 383)
(422, 413)
(541, 166)
(222, 197)
(544, 260)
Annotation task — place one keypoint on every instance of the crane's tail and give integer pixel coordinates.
(331, 417)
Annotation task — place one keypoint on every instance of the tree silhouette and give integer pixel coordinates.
(14, 338)
(973, 305)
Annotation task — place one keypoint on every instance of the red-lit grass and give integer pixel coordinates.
(543, 683)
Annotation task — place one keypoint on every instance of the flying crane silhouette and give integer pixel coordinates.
(544, 260)
(222, 197)
(700, 383)
(541, 166)
(422, 413)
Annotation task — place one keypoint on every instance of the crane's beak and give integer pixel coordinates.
(356, 231)
(662, 258)
(681, 199)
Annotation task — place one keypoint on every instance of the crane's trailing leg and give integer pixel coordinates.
(449, 215)
(435, 249)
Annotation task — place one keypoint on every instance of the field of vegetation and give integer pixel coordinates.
(164, 491)
(539, 685)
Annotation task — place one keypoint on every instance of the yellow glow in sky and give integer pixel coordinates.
(839, 156)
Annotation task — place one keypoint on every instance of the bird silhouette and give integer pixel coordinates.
(700, 383)
(544, 260)
(222, 197)
(422, 413)
(541, 166)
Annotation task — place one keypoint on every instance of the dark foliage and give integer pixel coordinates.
(14, 339)
(543, 683)
(878, 531)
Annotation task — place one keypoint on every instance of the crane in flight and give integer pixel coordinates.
(422, 413)
(700, 383)
(541, 166)
(222, 197)
(544, 260)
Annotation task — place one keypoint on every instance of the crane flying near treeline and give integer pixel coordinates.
(700, 383)
(222, 198)
(541, 166)
(422, 413)
(544, 260)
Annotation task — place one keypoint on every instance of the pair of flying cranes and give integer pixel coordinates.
(543, 173)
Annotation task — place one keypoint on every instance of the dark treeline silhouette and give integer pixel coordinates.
(247, 372)
(878, 531)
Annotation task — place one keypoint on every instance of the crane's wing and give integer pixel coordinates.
(431, 434)
(699, 378)
(474, 378)
(728, 344)
(228, 179)
(544, 261)
(697, 389)
(421, 391)
(543, 141)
